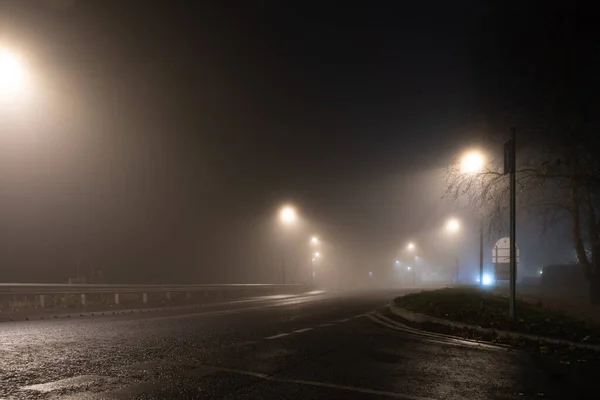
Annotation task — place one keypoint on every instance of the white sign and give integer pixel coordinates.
(501, 251)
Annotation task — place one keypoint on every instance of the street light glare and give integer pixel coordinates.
(317, 255)
(472, 162)
(287, 214)
(314, 240)
(12, 72)
(453, 225)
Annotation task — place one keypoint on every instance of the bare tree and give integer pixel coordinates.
(556, 181)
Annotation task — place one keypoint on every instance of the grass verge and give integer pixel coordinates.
(480, 307)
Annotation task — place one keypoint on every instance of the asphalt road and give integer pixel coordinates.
(302, 347)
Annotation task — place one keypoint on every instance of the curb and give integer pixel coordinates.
(421, 318)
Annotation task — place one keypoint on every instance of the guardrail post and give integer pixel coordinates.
(145, 298)
(42, 301)
(83, 299)
(169, 296)
(116, 298)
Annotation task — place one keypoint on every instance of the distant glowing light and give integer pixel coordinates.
(408, 268)
(487, 280)
(411, 246)
(287, 214)
(453, 225)
(397, 262)
(370, 274)
(472, 162)
(317, 254)
(314, 240)
(541, 272)
(12, 72)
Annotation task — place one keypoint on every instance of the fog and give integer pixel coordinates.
(136, 160)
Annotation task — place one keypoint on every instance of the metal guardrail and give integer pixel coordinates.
(58, 288)
(41, 295)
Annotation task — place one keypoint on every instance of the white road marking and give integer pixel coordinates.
(326, 385)
(277, 336)
(303, 330)
(344, 320)
(67, 383)
(323, 325)
(350, 388)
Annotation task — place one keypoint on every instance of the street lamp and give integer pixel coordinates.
(12, 72)
(287, 214)
(453, 225)
(314, 240)
(472, 162)
(317, 255)
(411, 246)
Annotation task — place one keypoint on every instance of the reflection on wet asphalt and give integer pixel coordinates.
(312, 346)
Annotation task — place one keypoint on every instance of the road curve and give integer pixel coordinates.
(316, 345)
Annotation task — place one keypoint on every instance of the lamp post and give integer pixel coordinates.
(287, 216)
(473, 162)
(452, 227)
(314, 258)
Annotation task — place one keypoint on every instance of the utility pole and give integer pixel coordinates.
(481, 250)
(513, 206)
(283, 265)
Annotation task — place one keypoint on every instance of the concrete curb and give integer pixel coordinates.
(421, 318)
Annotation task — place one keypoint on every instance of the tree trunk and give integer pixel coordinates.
(595, 289)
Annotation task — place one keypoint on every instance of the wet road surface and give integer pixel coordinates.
(333, 346)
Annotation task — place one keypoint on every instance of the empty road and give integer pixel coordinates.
(318, 345)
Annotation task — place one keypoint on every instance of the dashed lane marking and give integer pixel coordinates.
(349, 388)
(323, 325)
(277, 336)
(303, 330)
(344, 320)
(67, 383)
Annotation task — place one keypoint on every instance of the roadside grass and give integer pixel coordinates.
(480, 307)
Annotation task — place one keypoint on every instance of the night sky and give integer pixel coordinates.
(164, 135)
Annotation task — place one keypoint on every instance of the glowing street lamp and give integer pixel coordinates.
(12, 73)
(314, 240)
(472, 162)
(453, 225)
(317, 255)
(411, 246)
(287, 215)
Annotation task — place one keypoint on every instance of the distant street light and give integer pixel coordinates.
(408, 268)
(453, 225)
(472, 162)
(317, 255)
(12, 72)
(314, 240)
(397, 262)
(287, 214)
(411, 246)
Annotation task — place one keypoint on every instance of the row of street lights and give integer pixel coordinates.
(471, 162)
(288, 216)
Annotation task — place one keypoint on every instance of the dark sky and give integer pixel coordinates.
(167, 133)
